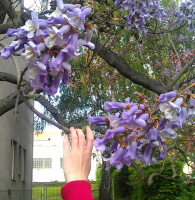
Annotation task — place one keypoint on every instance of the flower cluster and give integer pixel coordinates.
(186, 13)
(140, 12)
(49, 44)
(136, 133)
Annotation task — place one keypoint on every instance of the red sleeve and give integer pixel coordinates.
(77, 190)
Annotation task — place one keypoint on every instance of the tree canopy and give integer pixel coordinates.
(104, 51)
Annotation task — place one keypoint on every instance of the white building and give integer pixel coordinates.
(47, 158)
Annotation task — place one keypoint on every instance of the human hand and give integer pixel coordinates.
(77, 159)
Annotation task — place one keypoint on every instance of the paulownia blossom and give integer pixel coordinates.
(136, 133)
(49, 44)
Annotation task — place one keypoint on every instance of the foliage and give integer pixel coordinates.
(120, 181)
(98, 175)
(162, 189)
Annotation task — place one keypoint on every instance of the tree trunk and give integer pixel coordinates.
(104, 191)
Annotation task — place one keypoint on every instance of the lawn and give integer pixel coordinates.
(52, 191)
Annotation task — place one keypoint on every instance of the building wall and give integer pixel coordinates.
(17, 133)
(53, 148)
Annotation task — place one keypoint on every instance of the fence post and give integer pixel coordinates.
(44, 192)
(113, 187)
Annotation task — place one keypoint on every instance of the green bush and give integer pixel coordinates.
(98, 175)
(161, 189)
(120, 181)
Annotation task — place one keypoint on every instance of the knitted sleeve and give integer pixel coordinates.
(77, 190)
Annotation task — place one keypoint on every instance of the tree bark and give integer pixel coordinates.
(104, 191)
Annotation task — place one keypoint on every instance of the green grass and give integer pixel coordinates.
(54, 191)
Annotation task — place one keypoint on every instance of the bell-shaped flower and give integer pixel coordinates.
(113, 147)
(181, 119)
(153, 135)
(167, 96)
(63, 7)
(56, 36)
(147, 155)
(162, 123)
(117, 131)
(86, 41)
(54, 86)
(38, 69)
(56, 20)
(11, 49)
(33, 51)
(131, 152)
(116, 158)
(31, 25)
(56, 13)
(20, 33)
(71, 47)
(100, 143)
(114, 120)
(167, 131)
(67, 69)
(55, 65)
(162, 152)
(108, 106)
(77, 16)
(191, 110)
(98, 121)
(171, 109)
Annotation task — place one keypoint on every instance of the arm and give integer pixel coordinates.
(77, 165)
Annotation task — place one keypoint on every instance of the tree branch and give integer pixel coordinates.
(9, 9)
(8, 78)
(151, 177)
(181, 73)
(41, 115)
(125, 70)
(138, 169)
(54, 112)
(8, 103)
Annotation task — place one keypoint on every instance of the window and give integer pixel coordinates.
(20, 161)
(42, 163)
(24, 165)
(14, 159)
(61, 163)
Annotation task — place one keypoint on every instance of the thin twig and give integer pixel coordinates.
(42, 116)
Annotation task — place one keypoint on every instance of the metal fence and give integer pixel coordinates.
(21, 194)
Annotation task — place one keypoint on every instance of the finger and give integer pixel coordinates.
(81, 137)
(74, 139)
(66, 145)
(90, 139)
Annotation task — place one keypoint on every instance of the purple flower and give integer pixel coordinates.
(147, 156)
(192, 107)
(86, 41)
(131, 152)
(33, 51)
(181, 119)
(172, 109)
(98, 121)
(162, 152)
(116, 158)
(114, 120)
(77, 16)
(9, 50)
(167, 131)
(153, 135)
(167, 96)
(54, 86)
(31, 25)
(114, 147)
(56, 37)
